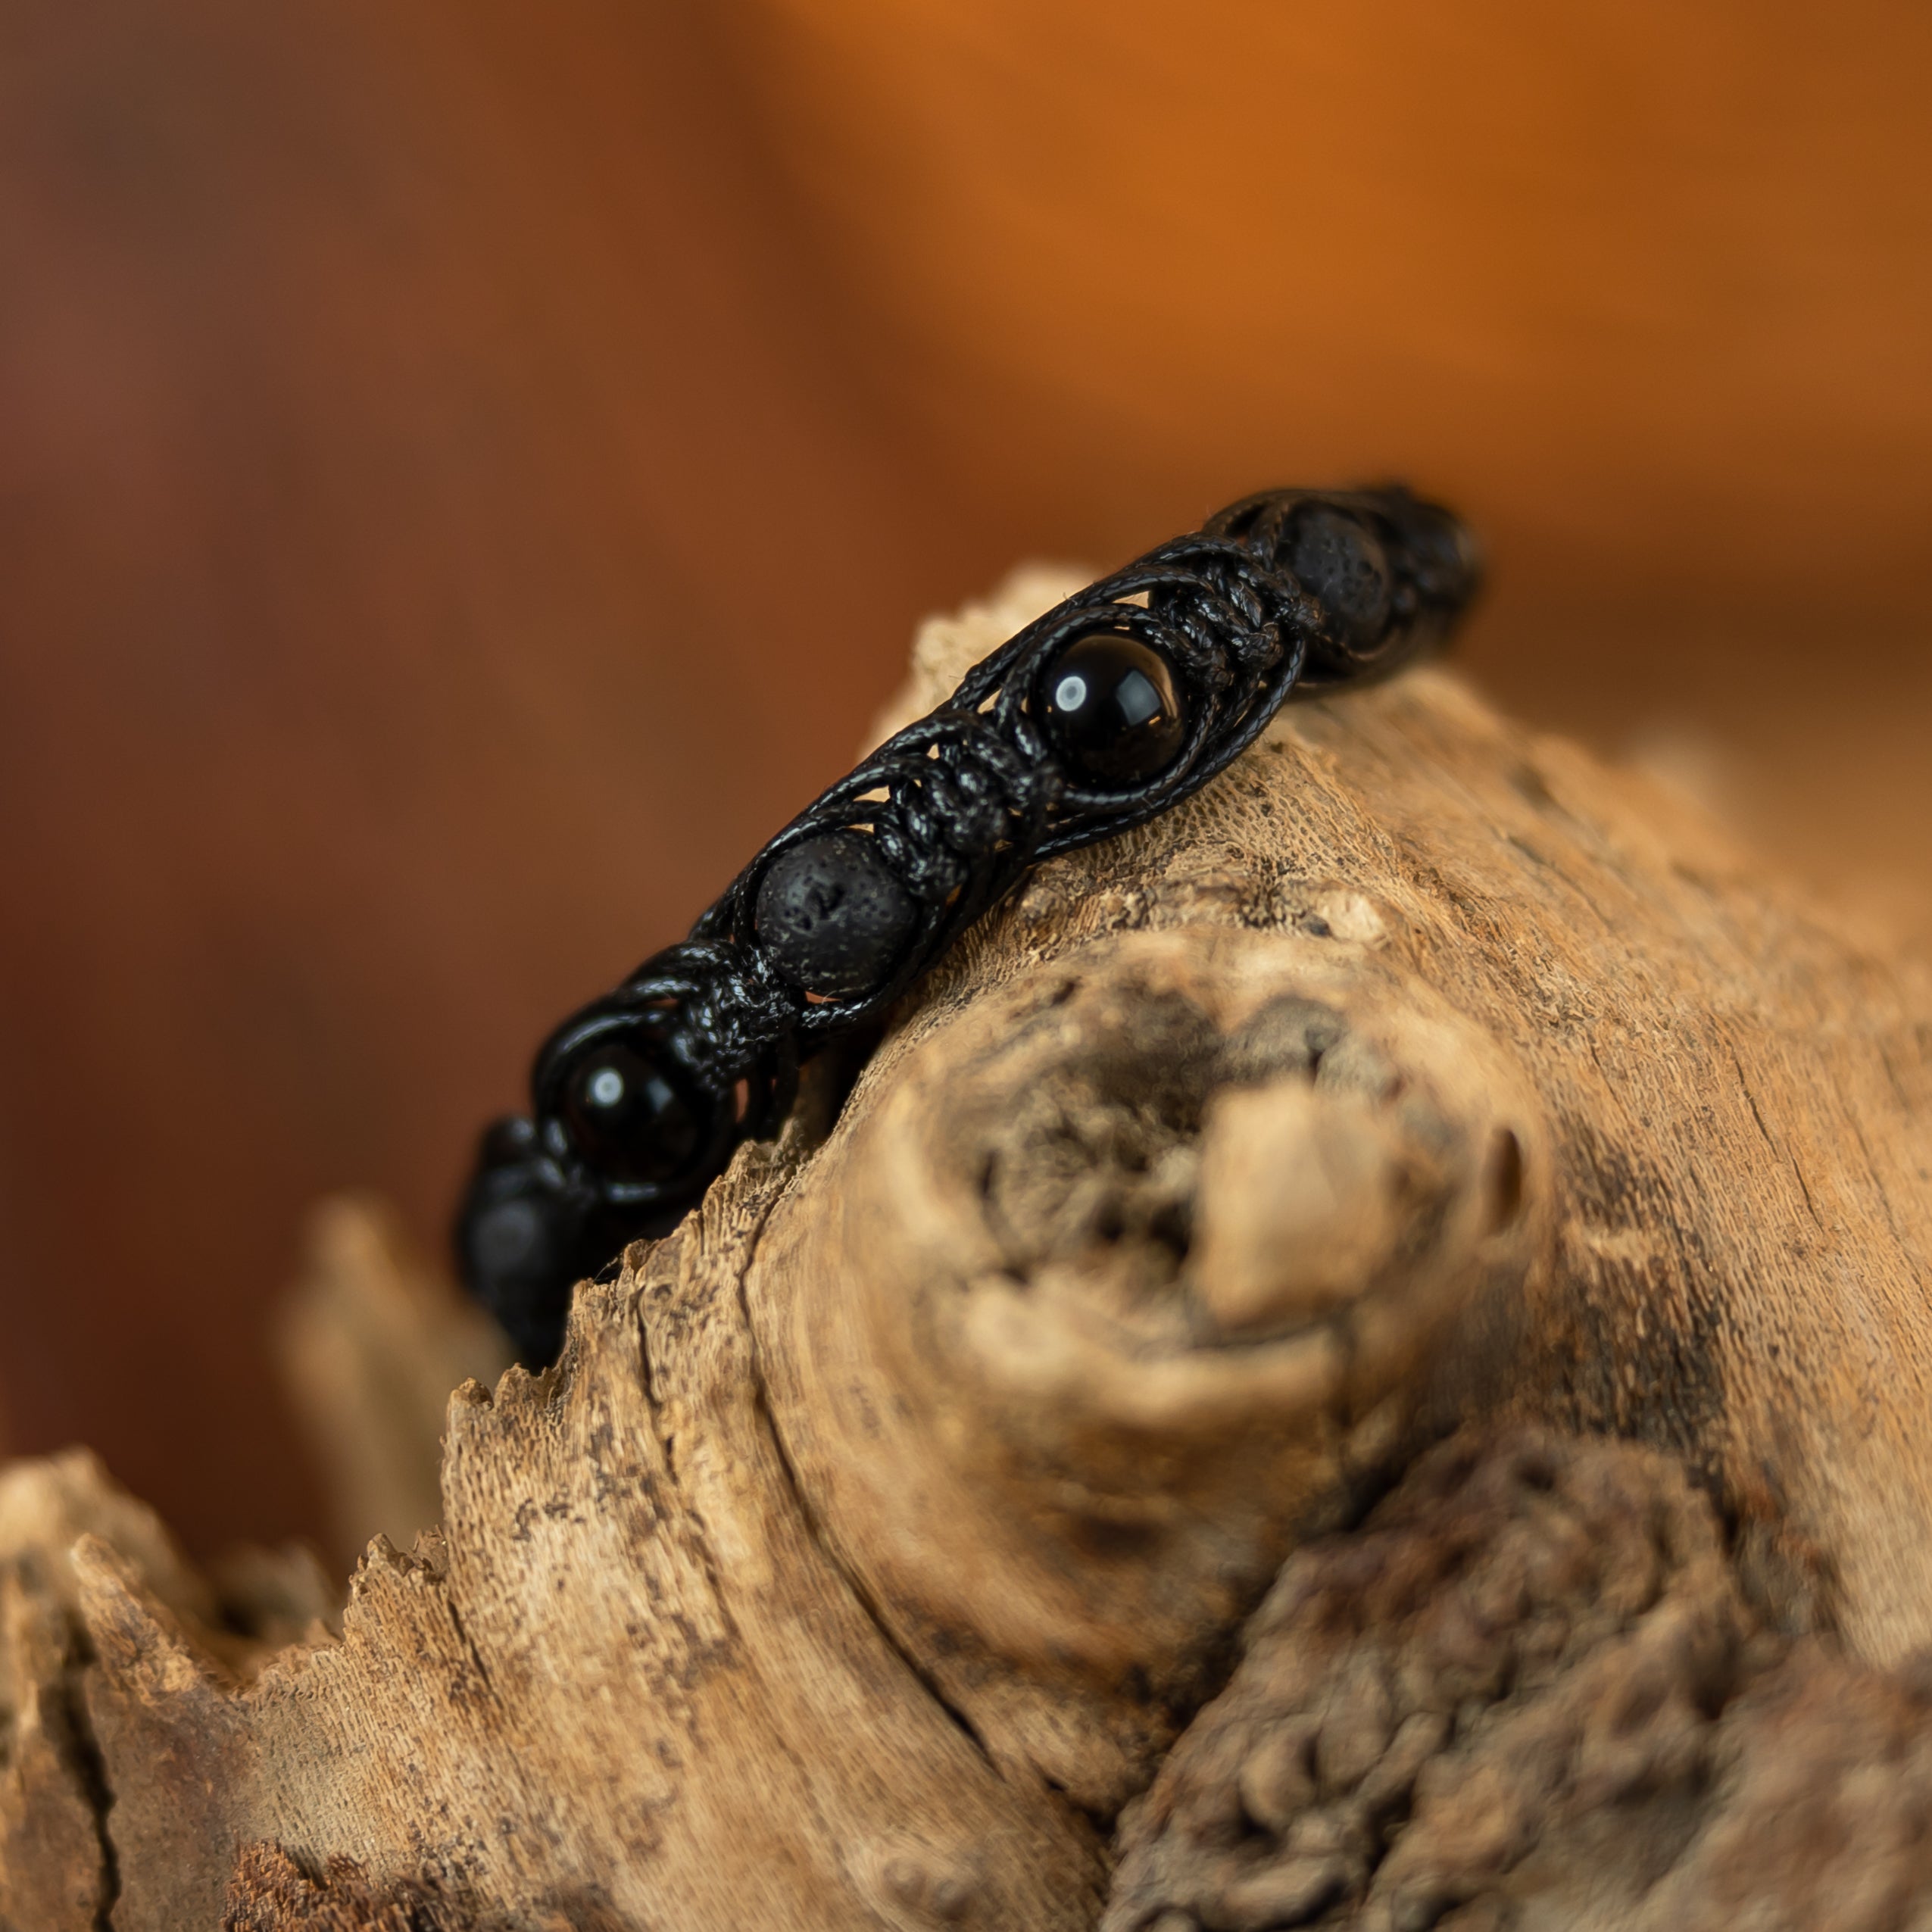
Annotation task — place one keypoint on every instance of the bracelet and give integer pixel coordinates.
(1116, 705)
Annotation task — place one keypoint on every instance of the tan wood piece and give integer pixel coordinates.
(883, 1530)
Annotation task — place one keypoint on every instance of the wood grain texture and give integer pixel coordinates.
(466, 474)
(1529, 1692)
(623, 1684)
(884, 1531)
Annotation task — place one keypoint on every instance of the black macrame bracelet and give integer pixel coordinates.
(1115, 705)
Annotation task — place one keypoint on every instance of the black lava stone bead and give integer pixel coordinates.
(520, 1244)
(514, 1254)
(632, 1115)
(1111, 709)
(1339, 560)
(831, 916)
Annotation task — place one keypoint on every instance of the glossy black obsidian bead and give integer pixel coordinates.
(832, 917)
(1338, 559)
(632, 1115)
(1111, 708)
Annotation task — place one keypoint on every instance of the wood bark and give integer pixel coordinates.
(1010, 1500)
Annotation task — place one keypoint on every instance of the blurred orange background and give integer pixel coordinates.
(468, 472)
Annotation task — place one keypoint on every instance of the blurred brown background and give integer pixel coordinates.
(468, 471)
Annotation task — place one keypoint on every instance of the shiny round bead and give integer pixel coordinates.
(832, 916)
(631, 1114)
(1339, 560)
(1111, 708)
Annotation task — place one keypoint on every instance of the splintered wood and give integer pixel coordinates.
(880, 1553)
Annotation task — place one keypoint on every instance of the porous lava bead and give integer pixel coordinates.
(521, 1243)
(631, 1114)
(510, 1239)
(1111, 708)
(831, 916)
(516, 1252)
(1338, 559)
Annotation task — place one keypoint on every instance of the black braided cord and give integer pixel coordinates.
(1288, 592)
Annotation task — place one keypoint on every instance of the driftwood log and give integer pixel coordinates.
(1357, 1357)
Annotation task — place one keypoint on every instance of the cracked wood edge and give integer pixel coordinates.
(624, 1686)
(1726, 1173)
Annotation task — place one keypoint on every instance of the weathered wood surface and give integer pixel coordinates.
(883, 1529)
(1529, 1692)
